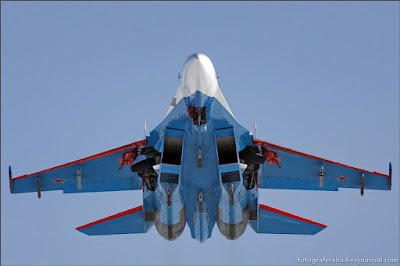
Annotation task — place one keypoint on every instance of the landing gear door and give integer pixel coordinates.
(228, 158)
(171, 159)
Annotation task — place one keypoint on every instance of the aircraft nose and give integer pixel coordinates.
(199, 66)
(196, 55)
(194, 62)
(198, 59)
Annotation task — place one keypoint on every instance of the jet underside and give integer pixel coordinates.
(200, 170)
(200, 167)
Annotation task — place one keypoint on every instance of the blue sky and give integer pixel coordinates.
(78, 78)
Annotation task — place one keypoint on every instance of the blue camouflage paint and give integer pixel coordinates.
(306, 173)
(208, 180)
(275, 223)
(175, 200)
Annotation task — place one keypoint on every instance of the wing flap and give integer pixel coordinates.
(274, 221)
(131, 221)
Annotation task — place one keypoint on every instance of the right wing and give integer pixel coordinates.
(106, 171)
(285, 168)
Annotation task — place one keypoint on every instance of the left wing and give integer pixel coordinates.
(285, 168)
(106, 171)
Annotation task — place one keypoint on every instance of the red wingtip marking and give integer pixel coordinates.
(268, 208)
(130, 211)
(281, 148)
(132, 145)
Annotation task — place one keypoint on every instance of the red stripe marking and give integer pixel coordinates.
(132, 145)
(268, 208)
(115, 216)
(281, 148)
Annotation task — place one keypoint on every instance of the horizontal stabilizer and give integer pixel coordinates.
(128, 222)
(274, 221)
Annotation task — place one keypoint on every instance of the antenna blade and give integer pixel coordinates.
(145, 127)
(255, 127)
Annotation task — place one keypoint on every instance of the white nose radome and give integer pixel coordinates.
(198, 74)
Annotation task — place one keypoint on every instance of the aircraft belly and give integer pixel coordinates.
(204, 179)
(194, 179)
(201, 225)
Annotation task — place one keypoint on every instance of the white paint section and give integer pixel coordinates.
(198, 74)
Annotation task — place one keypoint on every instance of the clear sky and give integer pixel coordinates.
(78, 78)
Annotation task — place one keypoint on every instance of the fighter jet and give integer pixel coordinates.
(199, 167)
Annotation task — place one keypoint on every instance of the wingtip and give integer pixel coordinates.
(390, 175)
(79, 228)
(82, 230)
(322, 227)
(10, 178)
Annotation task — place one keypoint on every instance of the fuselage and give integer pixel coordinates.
(199, 175)
(199, 167)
